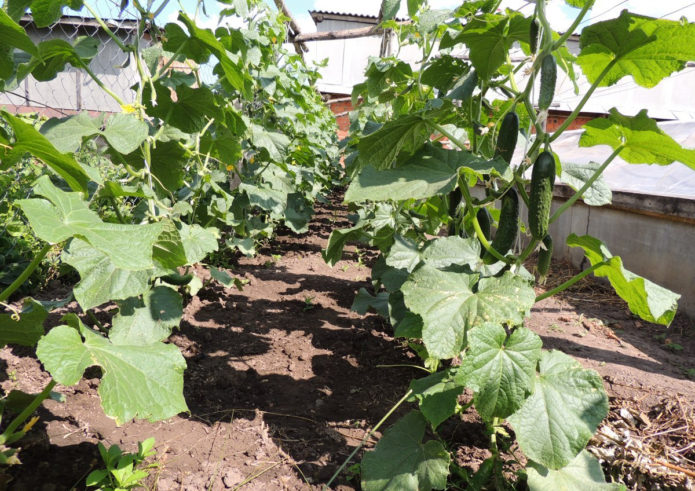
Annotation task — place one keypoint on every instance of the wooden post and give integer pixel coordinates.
(299, 46)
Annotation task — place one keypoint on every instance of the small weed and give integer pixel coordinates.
(308, 303)
(555, 328)
(352, 472)
(675, 347)
(122, 472)
(345, 268)
(689, 372)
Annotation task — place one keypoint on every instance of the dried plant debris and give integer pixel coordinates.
(648, 449)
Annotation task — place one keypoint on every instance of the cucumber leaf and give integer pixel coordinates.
(63, 215)
(431, 172)
(100, 280)
(575, 175)
(26, 328)
(557, 420)
(648, 300)
(438, 394)
(500, 369)
(401, 461)
(644, 142)
(29, 140)
(139, 380)
(448, 305)
(584, 472)
(648, 49)
(148, 319)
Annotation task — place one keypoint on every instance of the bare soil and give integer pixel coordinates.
(284, 381)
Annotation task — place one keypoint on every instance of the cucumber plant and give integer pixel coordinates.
(186, 168)
(424, 138)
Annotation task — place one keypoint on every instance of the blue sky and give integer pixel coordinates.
(560, 14)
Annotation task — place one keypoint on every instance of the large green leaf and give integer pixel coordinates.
(648, 49)
(439, 253)
(500, 369)
(643, 140)
(139, 380)
(446, 251)
(364, 301)
(438, 394)
(100, 280)
(489, 38)
(379, 149)
(24, 328)
(54, 54)
(576, 175)
(584, 472)
(389, 9)
(146, 320)
(189, 112)
(431, 172)
(298, 213)
(124, 132)
(568, 402)
(448, 305)
(12, 34)
(63, 215)
(274, 142)
(206, 39)
(29, 140)
(66, 134)
(401, 462)
(43, 12)
(197, 241)
(650, 301)
(336, 243)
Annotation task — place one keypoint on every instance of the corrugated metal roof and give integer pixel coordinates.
(343, 14)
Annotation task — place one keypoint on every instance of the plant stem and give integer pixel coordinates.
(476, 225)
(449, 136)
(527, 251)
(366, 437)
(106, 28)
(26, 273)
(584, 100)
(577, 21)
(570, 282)
(45, 393)
(113, 202)
(586, 185)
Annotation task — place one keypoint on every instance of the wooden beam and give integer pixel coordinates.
(299, 46)
(344, 34)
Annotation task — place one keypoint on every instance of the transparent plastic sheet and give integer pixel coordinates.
(675, 180)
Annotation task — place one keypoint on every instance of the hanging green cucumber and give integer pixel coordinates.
(485, 222)
(508, 227)
(507, 136)
(455, 197)
(548, 79)
(533, 35)
(544, 256)
(177, 279)
(541, 196)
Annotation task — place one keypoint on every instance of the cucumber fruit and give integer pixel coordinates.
(484, 220)
(507, 136)
(544, 256)
(541, 196)
(533, 35)
(508, 227)
(177, 279)
(548, 79)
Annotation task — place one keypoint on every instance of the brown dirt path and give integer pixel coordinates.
(283, 380)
